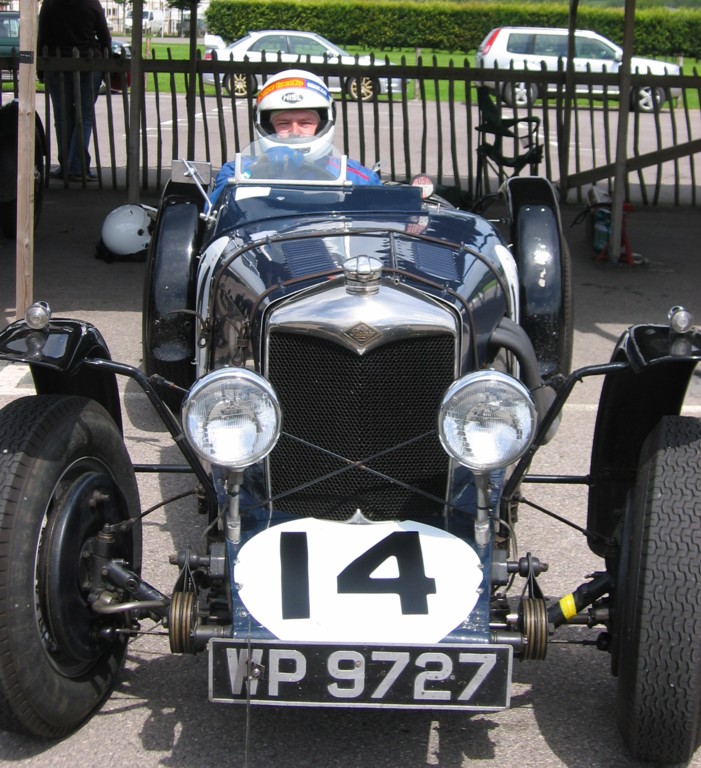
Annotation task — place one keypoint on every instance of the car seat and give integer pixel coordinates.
(493, 129)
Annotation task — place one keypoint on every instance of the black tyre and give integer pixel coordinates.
(657, 625)
(647, 99)
(521, 95)
(240, 86)
(8, 170)
(8, 209)
(363, 89)
(64, 473)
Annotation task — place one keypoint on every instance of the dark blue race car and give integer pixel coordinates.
(359, 379)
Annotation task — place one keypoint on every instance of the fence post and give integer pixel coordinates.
(136, 100)
(26, 133)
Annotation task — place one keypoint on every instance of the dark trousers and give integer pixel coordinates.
(73, 128)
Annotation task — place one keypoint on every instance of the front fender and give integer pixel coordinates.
(55, 356)
(544, 271)
(633, 399)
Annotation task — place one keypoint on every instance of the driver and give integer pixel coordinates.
(294, 119)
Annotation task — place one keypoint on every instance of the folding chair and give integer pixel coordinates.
(491, 155)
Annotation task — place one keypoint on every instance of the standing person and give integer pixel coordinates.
(65, 26)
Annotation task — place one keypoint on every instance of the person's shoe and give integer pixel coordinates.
(56, 173)
(89, 176)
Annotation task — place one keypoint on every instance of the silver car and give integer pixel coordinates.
(293, 48)
(532, 48)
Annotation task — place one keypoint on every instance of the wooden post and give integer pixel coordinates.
(565, 128)
(619, 192)
(136, 95)
(191, 95)
(26, 132)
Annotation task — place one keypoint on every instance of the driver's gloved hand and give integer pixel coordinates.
(284, 162)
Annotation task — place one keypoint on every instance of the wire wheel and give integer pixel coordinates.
(364, 89)
(239, 86)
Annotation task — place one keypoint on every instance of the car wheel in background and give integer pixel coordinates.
(647, 99)
(240, 86)
(519, 94)
(364, 89)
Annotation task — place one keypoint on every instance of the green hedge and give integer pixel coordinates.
(447, 26)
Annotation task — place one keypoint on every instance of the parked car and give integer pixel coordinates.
(534, 47)
(183, 25)
(295, 48)
(152, 22)
(359, 379)
(9, 38)
(120, 50)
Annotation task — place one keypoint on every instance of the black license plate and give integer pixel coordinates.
(469, 677)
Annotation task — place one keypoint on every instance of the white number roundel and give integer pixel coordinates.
(394, 582)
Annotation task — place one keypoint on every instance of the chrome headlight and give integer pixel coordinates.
(680, 320)
(38, 316)
(231, 417)
(487, 420)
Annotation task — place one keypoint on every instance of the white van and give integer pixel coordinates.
(532, 47)
(152, 22)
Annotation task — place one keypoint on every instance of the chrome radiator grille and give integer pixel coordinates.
(357, 407)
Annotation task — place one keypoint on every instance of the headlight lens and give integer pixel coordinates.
(231, 417)
(38, 316)
(680, 320)
(487, 420)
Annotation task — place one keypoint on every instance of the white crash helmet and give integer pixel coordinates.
(296, 89)
(126, 231)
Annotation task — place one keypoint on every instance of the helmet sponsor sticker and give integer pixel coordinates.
(293, 82)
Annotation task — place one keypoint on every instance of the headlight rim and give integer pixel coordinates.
(468, 381)
(230, 375)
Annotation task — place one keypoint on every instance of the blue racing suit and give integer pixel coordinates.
(289, 159)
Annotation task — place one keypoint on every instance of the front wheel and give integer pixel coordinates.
(647, 99)
(64, 475)
(240, 86)
(657, 625)
(363, 89)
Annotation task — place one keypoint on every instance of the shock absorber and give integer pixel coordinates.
(570, 605)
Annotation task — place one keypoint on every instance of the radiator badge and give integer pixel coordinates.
(362, 333)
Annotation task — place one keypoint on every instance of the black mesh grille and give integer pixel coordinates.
(357, 406)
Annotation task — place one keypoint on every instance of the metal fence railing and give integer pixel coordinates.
(427, 126)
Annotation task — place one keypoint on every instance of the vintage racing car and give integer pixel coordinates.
(358, 378)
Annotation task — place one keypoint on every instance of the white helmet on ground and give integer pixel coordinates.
(296, 89)
(126, 233)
